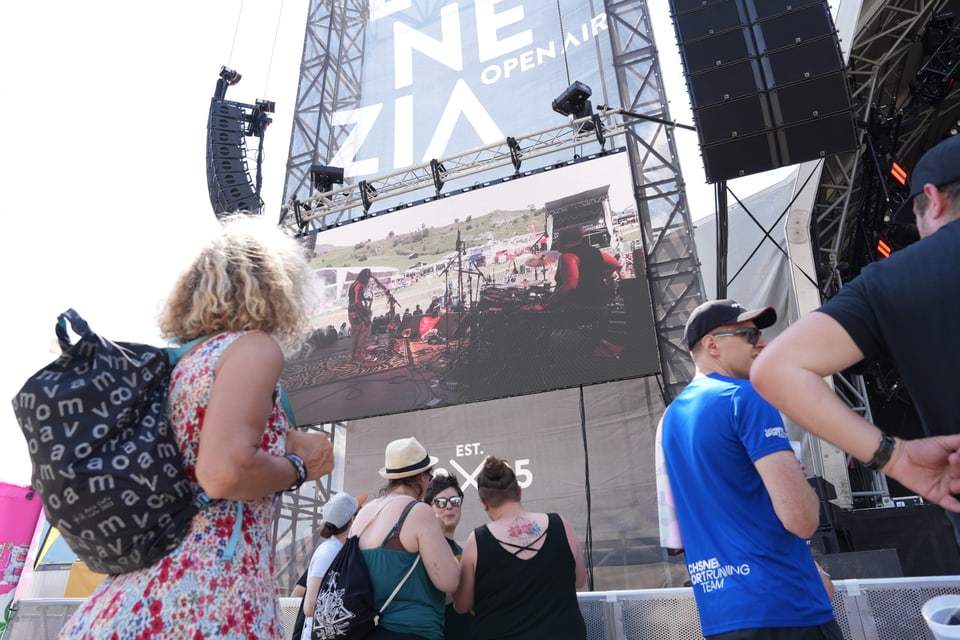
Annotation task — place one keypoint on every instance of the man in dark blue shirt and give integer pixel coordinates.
(904, 308)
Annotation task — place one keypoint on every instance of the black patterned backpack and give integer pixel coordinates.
(105, 461)
(345, 609)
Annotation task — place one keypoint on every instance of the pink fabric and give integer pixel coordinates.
(427, 323)
(19, 512)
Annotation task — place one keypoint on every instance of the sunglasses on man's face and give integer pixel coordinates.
(752, 334)
(441, 503)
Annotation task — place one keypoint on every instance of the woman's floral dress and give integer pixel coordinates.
(194, 593)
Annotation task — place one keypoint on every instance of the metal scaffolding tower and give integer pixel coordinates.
(676, 284)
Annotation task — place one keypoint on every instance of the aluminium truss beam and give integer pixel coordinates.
(346, 204)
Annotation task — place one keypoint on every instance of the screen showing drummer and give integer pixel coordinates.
(584, 275)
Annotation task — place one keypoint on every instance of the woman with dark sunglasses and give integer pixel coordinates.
(445, 496)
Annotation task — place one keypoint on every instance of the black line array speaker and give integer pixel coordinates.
(228, 178)
(767, 83)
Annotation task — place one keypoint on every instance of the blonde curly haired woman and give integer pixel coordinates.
(246, 294)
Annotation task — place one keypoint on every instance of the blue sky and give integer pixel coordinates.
(103, 158)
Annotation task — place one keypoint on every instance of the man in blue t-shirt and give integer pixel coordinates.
(744, 506)
(904, 308)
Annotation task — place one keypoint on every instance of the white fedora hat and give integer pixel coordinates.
(404, 458)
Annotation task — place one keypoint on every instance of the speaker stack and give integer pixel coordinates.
(228, 178)
(767, 83)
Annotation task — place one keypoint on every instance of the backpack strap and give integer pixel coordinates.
(287, 407)
(416, 561)
(399, 524)
(203, 500)
(78, 324)
(413, 566)
(175, 353)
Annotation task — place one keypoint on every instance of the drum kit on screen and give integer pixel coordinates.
(506, 298)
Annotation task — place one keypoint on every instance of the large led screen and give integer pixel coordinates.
(463, 303)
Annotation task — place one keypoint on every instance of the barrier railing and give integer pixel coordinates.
(876, 609)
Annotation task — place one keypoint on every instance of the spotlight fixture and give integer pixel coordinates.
(324, 177)
(574, 101)
(229, 76)
(439, 172)
(367, 193)
(297, 212)
(515, 154)
(258, 120)
(268, 106)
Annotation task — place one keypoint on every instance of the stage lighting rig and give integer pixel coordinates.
(229, 76)
(257, 118)
(939, 74)
(516, 155)
(323, 177)
(574, 101)
(439, 172)
(367, 194)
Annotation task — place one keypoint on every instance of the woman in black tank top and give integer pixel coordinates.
(520, 573)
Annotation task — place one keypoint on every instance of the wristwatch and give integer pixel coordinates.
(882, 455)
(300, 467)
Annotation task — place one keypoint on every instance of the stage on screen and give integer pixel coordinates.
(460, 299)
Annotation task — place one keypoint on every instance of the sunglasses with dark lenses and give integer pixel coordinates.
(441, 503)
(752, 334)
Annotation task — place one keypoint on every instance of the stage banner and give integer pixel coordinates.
(19, 511)
(440, 78)
(597, 472)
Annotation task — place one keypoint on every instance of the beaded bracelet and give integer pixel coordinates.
(300, 467)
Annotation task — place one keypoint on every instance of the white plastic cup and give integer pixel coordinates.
(942, 615)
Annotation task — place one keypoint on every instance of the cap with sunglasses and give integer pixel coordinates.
(752, 334)
(441, 503)
(716, 313)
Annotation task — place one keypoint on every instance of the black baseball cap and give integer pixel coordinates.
(940, 166)
(715, 313)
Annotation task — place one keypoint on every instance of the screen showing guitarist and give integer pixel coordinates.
(359, 314)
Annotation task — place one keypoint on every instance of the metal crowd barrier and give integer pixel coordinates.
(876, 609)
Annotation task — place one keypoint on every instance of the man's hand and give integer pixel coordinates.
(929, 466)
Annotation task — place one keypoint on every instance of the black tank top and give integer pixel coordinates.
(529, 599)
(591, 290)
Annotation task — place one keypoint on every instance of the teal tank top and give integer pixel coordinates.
(418, 607)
